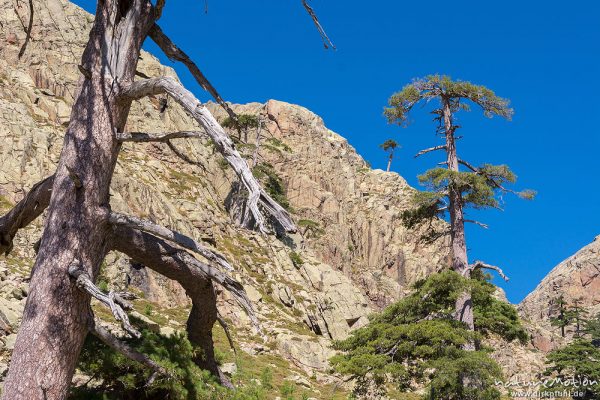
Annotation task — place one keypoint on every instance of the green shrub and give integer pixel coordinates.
(417, 340)
(296, 259)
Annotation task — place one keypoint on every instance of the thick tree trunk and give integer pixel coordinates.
(57, 315)
(460, 263)
(389, 164)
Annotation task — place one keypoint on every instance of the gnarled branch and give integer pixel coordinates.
(326, 41)
(140, 137)
(429, 150)
(28, 31)
(112, 300)
(223, 143)
(173, 236)
(481, 264)
(481, 224)
(174, 53)
(27, 210)
(123, 348)
(176, 264)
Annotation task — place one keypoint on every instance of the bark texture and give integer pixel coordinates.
(460, 263)
(57, 314)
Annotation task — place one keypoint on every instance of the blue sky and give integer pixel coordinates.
(543, 55)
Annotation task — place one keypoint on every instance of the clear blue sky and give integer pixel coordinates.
(543, 55)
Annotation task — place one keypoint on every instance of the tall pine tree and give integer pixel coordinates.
(452, 189)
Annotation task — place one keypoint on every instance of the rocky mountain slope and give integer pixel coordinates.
(577, 280)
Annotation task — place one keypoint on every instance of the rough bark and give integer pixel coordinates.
(460, 264)
(57, 314)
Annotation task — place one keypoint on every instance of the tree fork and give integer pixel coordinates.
(179, 265)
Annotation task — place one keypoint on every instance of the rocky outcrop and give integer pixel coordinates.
(577, 280)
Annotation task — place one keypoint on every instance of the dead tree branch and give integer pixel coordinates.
(123, 348)
(27, 210)
(111, 300)
(176, 264)
(481, 264)
(326, 41)
(158, 9)
(173, 236)
(143, 137)
(227, 332)
(174, 53)
(429, 150)
(28, 31)
(223, 143)
(481, 224)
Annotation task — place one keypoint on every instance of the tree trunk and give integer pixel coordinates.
(389, 165)
(57, 315)
(460, 264)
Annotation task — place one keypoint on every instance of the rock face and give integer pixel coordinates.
(352, 254)
(577, 280)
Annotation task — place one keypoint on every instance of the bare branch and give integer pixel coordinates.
(481, 264)
(326, 41)
(174, 53)
(123, 348)
(176, 264)
(140, 137)
(227, 332)
(111, 300)
(481, 224)
(223, 143)
(471, 167)
(27, 210)
(173, 236)
(28, 31)
(429, 150)
(158, 9)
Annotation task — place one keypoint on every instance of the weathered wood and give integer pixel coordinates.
(173, 236)
(223, 143)
(27, 31)
(174, 53)
(26, 210)
(482, 265)
(326, 41)
(111, 300)
(429, 150)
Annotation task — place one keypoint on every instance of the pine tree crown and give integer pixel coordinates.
(443, 87)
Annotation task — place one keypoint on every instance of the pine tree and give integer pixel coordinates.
(451, 189)
(418, 340)
(389, 146)
(579, 360)
(567, 315)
